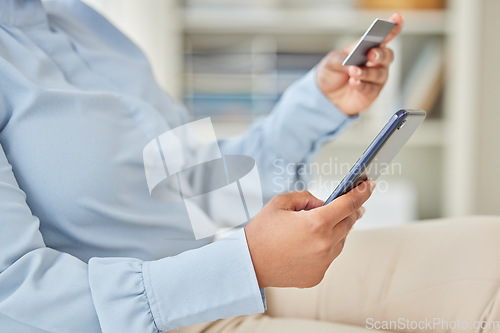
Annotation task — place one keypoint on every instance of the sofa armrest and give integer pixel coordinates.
(439, 270)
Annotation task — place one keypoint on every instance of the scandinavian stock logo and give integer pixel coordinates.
(219, 191)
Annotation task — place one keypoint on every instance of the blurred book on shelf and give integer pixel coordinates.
(228, 106)
(297, 61)
(219, 62)
(241, 85)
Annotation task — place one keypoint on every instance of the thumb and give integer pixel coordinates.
(297, 201)
(398, 19)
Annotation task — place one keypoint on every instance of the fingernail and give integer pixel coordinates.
(372, 185)
(355, 71)
(377, 55)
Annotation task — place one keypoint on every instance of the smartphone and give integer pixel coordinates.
(381, 151)
(373, 37)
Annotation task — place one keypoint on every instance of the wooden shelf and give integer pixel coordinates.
(303, 21)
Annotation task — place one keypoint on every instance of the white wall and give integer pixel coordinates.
(487, 180)
(154, 26)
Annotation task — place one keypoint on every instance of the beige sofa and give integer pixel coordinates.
(431, 276)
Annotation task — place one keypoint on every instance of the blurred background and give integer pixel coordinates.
(232, 59)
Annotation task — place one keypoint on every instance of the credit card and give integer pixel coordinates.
(373, 37)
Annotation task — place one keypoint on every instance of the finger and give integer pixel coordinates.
(363, 211)
(346, 204)
(380, 56)
(342, 229)
(367, 89)
(339, 246)
(398, 19)
(337, 249)
(297, 201)
(377, 75)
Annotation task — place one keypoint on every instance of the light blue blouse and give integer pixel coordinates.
(83, 246)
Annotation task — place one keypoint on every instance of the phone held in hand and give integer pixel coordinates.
(381, 151)
(373, 37)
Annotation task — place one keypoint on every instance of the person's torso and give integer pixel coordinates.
(78, 104)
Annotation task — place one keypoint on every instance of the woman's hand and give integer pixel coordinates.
(294, 239)
(351, 88)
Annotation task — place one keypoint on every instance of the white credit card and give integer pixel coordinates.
(373, 37)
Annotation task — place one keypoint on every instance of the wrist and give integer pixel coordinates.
(255, 256)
